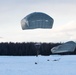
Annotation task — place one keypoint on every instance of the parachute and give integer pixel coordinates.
(37, 20)
(66, 47)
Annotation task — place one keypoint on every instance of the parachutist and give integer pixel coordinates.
(48, 60)
(35, 62)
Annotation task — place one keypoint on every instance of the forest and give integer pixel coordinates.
(28, 49)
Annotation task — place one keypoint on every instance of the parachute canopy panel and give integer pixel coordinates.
(37, 20)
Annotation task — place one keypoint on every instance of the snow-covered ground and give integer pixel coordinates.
(46, 65)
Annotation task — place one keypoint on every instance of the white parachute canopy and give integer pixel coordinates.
(66, 47)
(37, 20)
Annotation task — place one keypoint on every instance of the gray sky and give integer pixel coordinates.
(62, 11)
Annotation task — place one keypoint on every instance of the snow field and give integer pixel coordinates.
(46, 65)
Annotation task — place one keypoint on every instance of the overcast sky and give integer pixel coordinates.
(62, 11)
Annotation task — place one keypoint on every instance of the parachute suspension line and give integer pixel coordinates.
(37, 46)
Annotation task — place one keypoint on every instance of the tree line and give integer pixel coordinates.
(27, 49)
